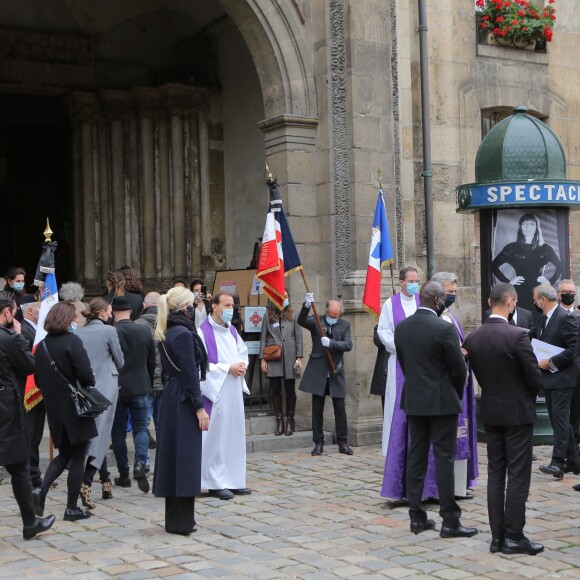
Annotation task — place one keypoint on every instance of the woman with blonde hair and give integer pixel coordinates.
(177, 475)
(101, 342)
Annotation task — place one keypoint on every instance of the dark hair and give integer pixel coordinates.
(6, 300)
(501, 292)
(132, 279)
(195, 283)
(215, 299)
(521, 240)
(59, 318)
(12, 272)
(286, 314)
(179, 281)
(403, 273)
(96, 306)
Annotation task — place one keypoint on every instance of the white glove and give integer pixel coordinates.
(325, 341)
(309, 300)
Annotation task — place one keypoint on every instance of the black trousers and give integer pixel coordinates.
(509, 452)
(441, 431)
(558, 402)
(575, 414)
(318, 417)
(34, 429)
(180, 514)
(22, 489)
(91, 470)
(276, 387)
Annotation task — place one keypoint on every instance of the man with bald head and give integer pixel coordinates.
(435, 373)
(318, 378)
(148, 318)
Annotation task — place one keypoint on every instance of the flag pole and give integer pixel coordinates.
(47, 233)
(380, 180)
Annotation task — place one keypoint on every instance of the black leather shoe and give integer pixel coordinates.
(243, 491)
(139, 473)
(344, 448)
(74, 514)
(39, 526)
(464, 497)
(38, 499)
(576, 487)
(123, 481)
(524, 546)
(221, 493)
(553, 470)
(496, 545)
(458, 531)
(318, 449)
(418, 527)
(571, 468)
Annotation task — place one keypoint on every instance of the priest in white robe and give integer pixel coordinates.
(395, 309)
(223, 464)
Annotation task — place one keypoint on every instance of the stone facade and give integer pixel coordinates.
(168, 155)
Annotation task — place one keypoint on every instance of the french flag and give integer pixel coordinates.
(381, 254)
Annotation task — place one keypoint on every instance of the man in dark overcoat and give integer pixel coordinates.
(435, 374)
(504, 364)
(318, 378)
(16, 362)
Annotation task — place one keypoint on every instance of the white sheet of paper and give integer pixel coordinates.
(543, 350)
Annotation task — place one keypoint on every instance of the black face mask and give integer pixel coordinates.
(538, 308)
(110, 321)
(568, 299)
(449, 300)
(511, 315)
(190, 312)
(439, 308)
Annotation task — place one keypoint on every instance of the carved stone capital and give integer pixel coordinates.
(84, 107)
(288, 132)
(117, 105)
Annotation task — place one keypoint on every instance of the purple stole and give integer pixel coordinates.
(212, 354)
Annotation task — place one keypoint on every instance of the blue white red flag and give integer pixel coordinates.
(381, 254)
(278, 255)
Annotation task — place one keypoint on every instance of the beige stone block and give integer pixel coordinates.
(305, 230)
(365, 132)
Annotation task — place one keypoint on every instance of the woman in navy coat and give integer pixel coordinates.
(177, 475)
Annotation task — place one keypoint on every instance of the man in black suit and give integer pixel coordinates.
(521, 317)
(559, 377)
(135, 380)
(504, 364)
(34, 418)
(435, 374)
(318, 379)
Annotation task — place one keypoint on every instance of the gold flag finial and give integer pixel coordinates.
(47, 232)
(268, 172)
(380, 176)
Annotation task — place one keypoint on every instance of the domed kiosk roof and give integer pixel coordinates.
(520, 147)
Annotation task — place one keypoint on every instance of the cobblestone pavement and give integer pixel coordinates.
(308, 517)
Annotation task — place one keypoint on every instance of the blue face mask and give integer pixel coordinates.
(73, 326)
(227, 314)
(190, 311)
(449, 300)
(331, 321)
(195, 295)
(413, 288)
(286, 303)
(18, 286)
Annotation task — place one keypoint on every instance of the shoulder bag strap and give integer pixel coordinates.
(53, 364)
(169, 358)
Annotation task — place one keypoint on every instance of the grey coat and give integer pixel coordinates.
(102, 345)
(289, 334)
(317, 369)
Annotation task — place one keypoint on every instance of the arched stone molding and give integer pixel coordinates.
(272, 32)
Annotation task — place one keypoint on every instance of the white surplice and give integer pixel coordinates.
(386, 332)
(223, 458)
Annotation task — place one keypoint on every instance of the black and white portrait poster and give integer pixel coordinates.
(525, 247)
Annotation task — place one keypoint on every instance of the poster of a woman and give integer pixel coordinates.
(526, 250)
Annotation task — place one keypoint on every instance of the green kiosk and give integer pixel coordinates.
(524, 201)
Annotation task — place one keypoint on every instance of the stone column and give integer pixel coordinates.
(164, 194)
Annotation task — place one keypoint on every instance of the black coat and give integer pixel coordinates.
(506, 369)
(135, 300)
(379, 381)
(431, 360)
(525, 319)
(317, 369)
(70, 356)
(29, 332)
(562, 331)
(137, 375)
(178, 455)
(16, 362)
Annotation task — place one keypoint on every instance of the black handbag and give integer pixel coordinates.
(87, 402)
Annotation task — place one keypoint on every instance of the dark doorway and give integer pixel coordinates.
(35, 182)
